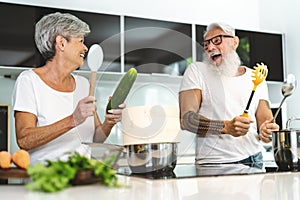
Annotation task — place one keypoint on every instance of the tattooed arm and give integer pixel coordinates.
(201, 125)
(190, 103)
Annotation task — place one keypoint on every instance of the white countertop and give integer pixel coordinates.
(282, 186)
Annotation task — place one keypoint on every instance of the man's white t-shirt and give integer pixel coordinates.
(224, 98)
(32, 95)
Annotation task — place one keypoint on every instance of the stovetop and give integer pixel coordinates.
(192, 170)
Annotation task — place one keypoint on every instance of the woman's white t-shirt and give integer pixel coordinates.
(32, 95)
(224, 98)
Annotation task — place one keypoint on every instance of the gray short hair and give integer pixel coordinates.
(223, 26)
(53, 25)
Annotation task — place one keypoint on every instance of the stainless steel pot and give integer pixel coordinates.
(286, 147)
(145, 158)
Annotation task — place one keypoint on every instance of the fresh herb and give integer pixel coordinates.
(57, 175)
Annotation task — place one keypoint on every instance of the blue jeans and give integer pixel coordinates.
(255, 160)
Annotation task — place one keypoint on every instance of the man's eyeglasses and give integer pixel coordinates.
(215, 40)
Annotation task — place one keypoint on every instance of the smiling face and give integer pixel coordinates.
(215, 53)
(78, 49)
(74, 51)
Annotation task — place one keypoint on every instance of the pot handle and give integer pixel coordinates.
(288, 123)
(290, 120)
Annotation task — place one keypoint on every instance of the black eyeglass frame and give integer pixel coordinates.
(205, 43)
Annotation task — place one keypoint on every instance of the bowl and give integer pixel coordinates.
(103, 151)
(151, 158)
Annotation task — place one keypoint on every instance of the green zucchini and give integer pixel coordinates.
(122, 89)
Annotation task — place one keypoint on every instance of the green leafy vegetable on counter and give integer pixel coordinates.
(57, 175)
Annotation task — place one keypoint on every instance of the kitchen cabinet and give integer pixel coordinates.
(255, 47)
(17, 47)
(153, 46)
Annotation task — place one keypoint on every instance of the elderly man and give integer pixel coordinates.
(213, 96)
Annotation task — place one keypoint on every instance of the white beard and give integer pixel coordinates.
(229, 66)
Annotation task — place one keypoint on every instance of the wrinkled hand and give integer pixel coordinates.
(115, 115)
(238, 126)
(266, 129)
(85, 108)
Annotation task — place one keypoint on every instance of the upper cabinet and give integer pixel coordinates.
(105, 30)
(17, 46)
(153, 46)
(150, 46)
(255, 47)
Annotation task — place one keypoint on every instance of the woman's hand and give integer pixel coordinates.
(115, 115)
(85, 108)
(266, 129)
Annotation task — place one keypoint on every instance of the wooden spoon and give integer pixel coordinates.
(94, 60)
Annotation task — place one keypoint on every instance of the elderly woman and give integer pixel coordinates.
(52, 109)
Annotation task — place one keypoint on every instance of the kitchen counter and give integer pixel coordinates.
(279, 185)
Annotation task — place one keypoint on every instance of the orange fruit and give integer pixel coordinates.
(21, 158)
(5, 159)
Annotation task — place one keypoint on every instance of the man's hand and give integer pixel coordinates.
(238, 126)
(266, 129)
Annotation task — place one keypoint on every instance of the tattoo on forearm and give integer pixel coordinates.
(200, 125)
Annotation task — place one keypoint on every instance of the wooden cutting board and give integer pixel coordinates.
(81, 178)
(13, 173)
(85, 177)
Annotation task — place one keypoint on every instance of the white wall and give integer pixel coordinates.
(284, 16)
(243, 14)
